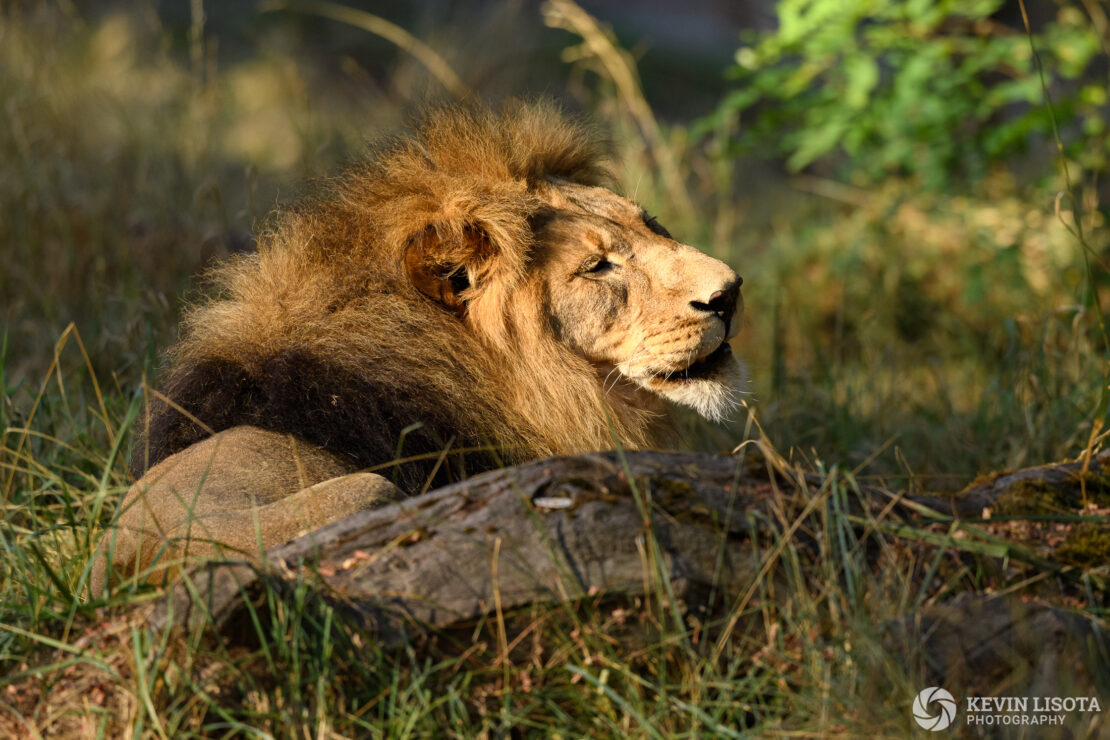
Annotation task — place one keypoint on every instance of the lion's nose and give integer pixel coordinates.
(722, 302)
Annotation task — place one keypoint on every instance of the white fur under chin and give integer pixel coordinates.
(714, 398)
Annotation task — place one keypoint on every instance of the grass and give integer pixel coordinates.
(916, 339)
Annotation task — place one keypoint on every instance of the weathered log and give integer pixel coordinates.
(550, 530)
(974, 643)
(555, 530)
(1068, 481)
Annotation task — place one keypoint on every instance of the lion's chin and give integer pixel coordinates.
(713, 387)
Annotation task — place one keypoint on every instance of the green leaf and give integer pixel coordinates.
(862, 74)
(817, 142)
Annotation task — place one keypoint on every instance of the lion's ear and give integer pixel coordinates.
(439, 267)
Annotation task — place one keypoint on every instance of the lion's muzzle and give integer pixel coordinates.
(723, 303)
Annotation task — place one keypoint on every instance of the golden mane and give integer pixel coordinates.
(325, 334)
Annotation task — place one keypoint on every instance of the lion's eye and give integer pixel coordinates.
(595, 265)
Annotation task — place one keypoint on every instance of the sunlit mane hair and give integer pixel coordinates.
(331, 331)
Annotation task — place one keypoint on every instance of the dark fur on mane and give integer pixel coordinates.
(296, 393)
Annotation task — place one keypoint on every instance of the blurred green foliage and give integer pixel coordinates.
(936, 89)
(925, 268)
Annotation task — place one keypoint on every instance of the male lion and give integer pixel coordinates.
(466, 297)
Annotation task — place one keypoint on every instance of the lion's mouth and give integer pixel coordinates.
(712, 386)
(701, 369)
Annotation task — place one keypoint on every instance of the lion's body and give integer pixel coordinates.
(425, 318)
(240, 491)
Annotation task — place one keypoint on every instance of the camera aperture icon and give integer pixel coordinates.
(945, 704)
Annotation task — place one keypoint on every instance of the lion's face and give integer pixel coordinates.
(627, 297)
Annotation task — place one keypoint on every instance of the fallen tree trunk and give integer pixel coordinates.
(974, 643)
(555, 529)
(558, 530)
(1069, 482)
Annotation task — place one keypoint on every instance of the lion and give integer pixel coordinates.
(468, 296)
